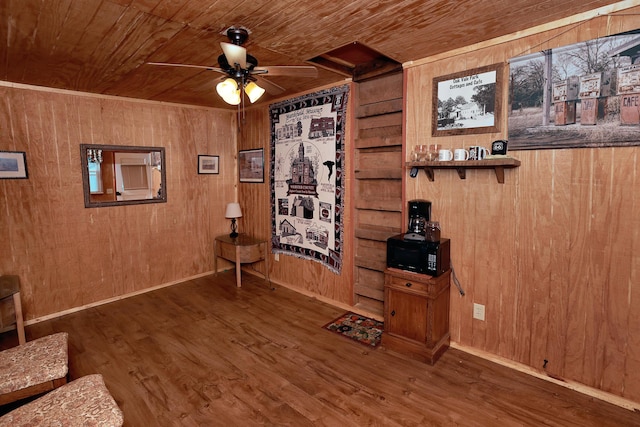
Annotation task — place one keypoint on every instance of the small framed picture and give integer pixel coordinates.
(208, 164)
(13, 165)
(251, 165)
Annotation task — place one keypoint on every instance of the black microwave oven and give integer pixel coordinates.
(432, 258)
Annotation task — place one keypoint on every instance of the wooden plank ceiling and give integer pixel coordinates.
(103, 46)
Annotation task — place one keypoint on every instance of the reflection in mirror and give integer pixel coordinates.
(122, 175)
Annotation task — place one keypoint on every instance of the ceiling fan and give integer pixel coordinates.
(242, 70)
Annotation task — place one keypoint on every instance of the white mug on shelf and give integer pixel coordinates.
(460, 154)
(445, 155)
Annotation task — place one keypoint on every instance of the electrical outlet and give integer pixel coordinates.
(478, 311)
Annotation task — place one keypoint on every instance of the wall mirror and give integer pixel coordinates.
(114, 175)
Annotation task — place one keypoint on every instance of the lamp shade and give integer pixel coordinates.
(253, 91)
(233, 211)
(229, 91)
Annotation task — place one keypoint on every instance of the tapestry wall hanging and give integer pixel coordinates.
(307, 139)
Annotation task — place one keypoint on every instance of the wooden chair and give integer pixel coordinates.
(33, 368)
(11, 306)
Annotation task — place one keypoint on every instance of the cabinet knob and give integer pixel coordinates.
(408, 284)
(393, 312)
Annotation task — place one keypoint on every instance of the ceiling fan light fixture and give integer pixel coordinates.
(229, 91)
(235, 54)
(253, 91)
(233, 99)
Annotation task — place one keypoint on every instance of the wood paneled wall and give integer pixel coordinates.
(68, 256)
(553, 253)
(255, 199)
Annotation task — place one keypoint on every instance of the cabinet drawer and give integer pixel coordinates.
(409, 285)
(419, 283)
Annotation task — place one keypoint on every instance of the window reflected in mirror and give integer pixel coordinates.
(115, 175)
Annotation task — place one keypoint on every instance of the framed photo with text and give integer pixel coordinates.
(468, 102)
(13, 165)
(251, 165)
(208, 164)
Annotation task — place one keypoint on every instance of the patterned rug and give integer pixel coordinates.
(358, 328)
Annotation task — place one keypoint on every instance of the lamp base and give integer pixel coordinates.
(234, 229)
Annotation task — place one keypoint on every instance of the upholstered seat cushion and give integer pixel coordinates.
(35, 362)
(83, 402)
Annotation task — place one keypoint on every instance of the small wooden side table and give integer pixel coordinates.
(243, 249)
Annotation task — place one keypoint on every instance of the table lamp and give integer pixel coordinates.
(233, 212)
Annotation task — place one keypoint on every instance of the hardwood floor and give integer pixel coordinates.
(205, 353)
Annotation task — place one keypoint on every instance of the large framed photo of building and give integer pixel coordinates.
(468, 102)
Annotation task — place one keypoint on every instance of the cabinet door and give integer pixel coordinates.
(407, 314)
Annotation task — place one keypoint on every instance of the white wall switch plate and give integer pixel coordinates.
(478, 311)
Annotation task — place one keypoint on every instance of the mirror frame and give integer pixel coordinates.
(124, 149)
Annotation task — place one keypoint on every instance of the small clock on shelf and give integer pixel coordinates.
(499, 147)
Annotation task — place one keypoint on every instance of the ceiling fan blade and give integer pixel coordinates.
(270, 87)
(203, 67)
(287, 70)
(235, 54)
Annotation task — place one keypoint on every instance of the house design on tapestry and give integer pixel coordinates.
(287, 229)
(288, 131)
(302, 207)
(322, 127)
(303, 175)
(319, 236)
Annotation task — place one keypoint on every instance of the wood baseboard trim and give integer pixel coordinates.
(345, 307)
(107, 301)
(572, 385)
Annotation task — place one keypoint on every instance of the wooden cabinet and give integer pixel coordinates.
(416, 314)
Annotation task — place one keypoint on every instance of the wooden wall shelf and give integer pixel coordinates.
(461, 166)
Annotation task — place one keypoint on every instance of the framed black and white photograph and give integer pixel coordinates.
(581, 95)
(208, 164)
(251, 165)
(13, 165)
(467, 102)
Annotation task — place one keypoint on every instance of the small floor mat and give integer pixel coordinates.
(361, 329)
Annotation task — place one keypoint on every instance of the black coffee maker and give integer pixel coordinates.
(420, 249)
(419, 216)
